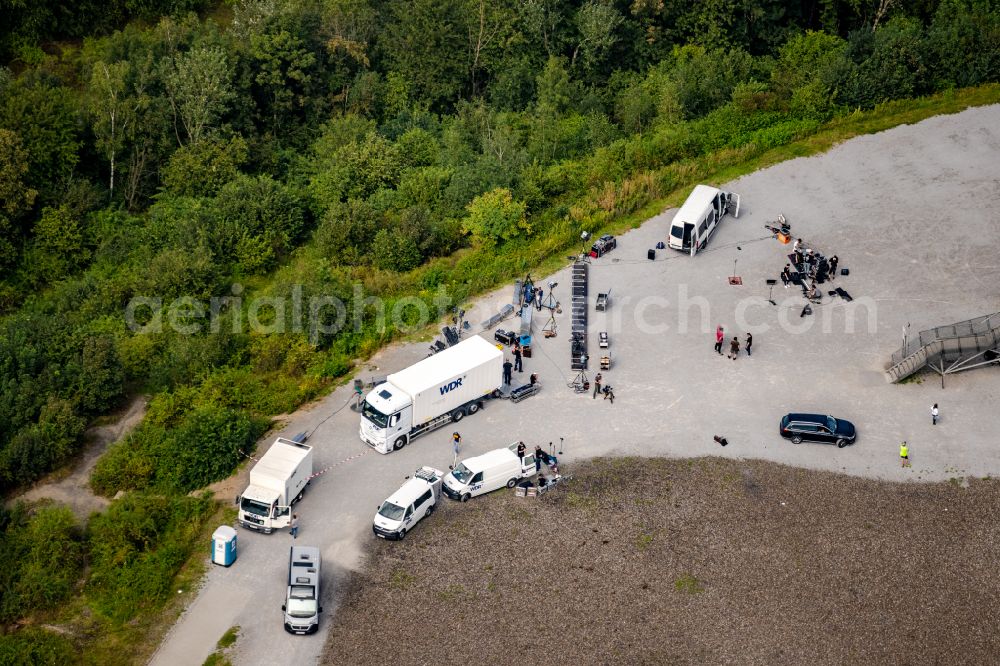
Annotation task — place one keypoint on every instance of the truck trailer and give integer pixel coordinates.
(441, 389)
(277, 482)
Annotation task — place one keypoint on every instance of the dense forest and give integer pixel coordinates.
(193, 149)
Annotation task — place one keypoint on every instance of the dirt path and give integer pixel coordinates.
(74, 490)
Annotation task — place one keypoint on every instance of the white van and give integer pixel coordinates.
(301, 607)
(699, 217)
(490, 471)
(408, 505)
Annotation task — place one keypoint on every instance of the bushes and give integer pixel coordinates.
(136, 549)
(205, 446)
(43, 560)
(32, 646)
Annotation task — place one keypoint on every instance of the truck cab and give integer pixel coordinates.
(301, 608)
(386, 418)
(260, 509)
(414, 501)
(277, 481)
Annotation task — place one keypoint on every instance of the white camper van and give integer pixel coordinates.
(699, 217)
(301, 607)
(488, 472)
(408, 505)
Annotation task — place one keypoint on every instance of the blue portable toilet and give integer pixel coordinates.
(224, 546)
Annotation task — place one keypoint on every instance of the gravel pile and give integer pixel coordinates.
(707, 560)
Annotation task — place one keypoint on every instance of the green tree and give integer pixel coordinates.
(426, 42)
(200, 90)
(392, 250)
(100, 378)
(596, 22)
(114, 109)
(200, 169)
(60, 240)
(15, 196)
(44, 115)
(495, 217)
(283, 74)
(810, 57)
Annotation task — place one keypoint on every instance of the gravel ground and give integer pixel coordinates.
(684, 561)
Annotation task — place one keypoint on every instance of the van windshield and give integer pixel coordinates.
(462, 473)
(375, 416)
(301, 602)
(391, 511)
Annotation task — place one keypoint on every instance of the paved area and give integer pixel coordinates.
(914, 213)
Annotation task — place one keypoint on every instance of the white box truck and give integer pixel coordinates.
(414, 501)
(427, 395)
(488, 472)
(276, 482)
(301, 605)
(700, 216)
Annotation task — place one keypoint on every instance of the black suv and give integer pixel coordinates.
(817, 428)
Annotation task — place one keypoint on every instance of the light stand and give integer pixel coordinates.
(770, 291)
(584, 254)
(551, 303)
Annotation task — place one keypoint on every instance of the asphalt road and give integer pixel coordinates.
(913, 212)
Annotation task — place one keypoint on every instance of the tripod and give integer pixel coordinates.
(770, 291)
(580, 383)
(550, 326)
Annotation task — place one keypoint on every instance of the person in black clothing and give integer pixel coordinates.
(749, 343)
(507, 367)
(520, 451)
(539, 455)
(597, 384)
(786, 275)
(517, 359)
(834, 260)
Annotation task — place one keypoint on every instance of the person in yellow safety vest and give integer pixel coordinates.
(904, 454)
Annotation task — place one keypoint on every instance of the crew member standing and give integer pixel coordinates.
(934, 414)
(507, 367)
(904, 454)
(749, 343)
(597, 384)
(834, 260)
(734, 348)
(456, 443)
(517, 359)
(719, 337)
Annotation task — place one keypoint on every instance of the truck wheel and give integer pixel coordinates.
(466, 497)
(399, 443)
(457, 415)
(473, 408)
(512, 483)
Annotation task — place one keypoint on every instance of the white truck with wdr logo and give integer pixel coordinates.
(438, 390)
